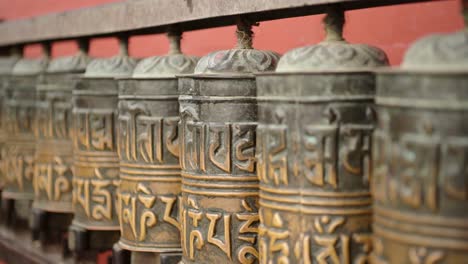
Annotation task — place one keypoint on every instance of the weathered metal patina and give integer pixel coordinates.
(54, 148)
(313, 151)
(149, 153)
(6, 67)
(219, 184)
(52, 207)
(19, 148)
(420, 155)
(20, 126)
(96, 163)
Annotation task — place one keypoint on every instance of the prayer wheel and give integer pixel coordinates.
(96, 163)
(149, 154)
(20, 126)
(313, 151)
(420, 179)
(218, 111)
(6, 66)
(52, 207)
(20, 144)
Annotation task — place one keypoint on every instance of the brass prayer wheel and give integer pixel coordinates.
(313, 151)
(6, 66)
(52, 206)
(218, 112)
(420, 155)
(96, 162)
(19, 163)
(149, 152)
(54, 146)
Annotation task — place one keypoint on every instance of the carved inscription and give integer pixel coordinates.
(219, 148)
(94, 130)
(428, 168)
(139, 211)
(325, 148)
(321, 155)
(454, 168)
(52, 179)
(19, 168)
(148, 150)
(424, 256)
(220, 229)
(273, 243)
(325, 240)
(226, 153)
(96, 196)
(52, 119)
(307, 172)
(18, 162)
(19, 117)
(144, 138)
(272, 155)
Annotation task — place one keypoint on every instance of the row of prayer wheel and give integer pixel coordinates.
(243, 156)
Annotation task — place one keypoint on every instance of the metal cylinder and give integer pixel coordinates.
(218, 114)
(149, 152)
(96, 162)
(52, 206)
(313, 151)
(54, 147)
(20, 126)
(6, 67)
(420, 155)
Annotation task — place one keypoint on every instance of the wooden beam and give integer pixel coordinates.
(153, 16)
(17, 247)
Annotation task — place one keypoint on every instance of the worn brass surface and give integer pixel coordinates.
(20, 145)
(313, 162)
(149, 152)
(20, 126)
(54, 147)
(218, 111)
(314, 151)
(219, 186)
(420, 155)
(149, 164)
(6, 67)
(96, 163)
(420, 178)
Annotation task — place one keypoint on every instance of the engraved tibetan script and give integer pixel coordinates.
(201, 227)
(52, 179)
(95, 197)
(145, 138)
(219, 148)
(94, 130)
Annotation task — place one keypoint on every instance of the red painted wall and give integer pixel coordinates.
(391, 28)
